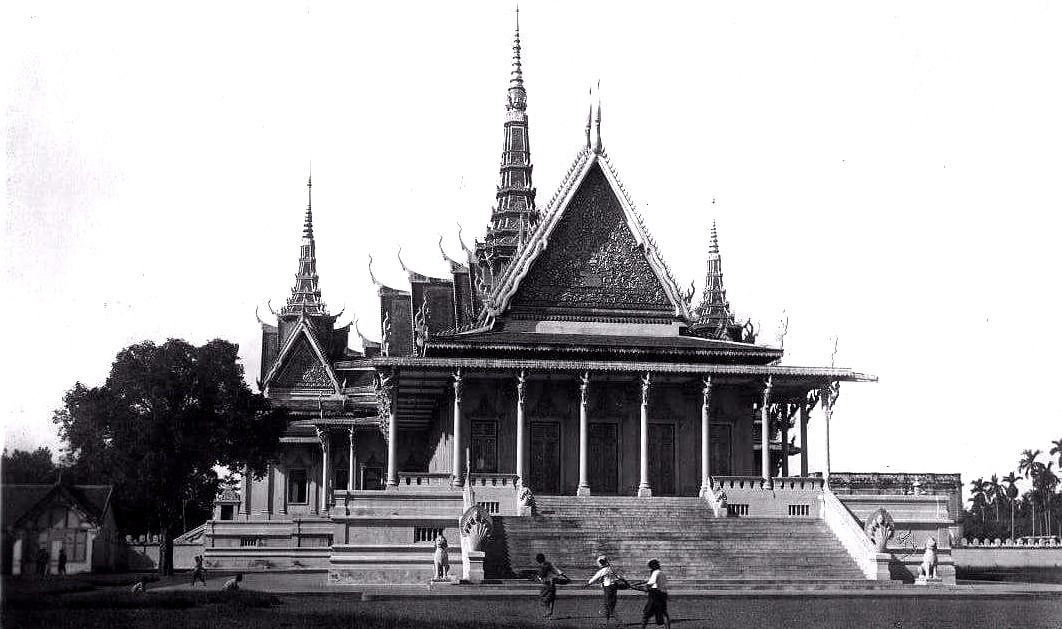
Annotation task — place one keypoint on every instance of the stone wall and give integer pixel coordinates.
(984, 553)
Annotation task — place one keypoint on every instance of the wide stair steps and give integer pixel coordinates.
(695, 548)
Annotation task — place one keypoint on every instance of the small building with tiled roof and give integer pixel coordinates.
(41, 520)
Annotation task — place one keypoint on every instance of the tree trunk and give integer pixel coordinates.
(165, 551)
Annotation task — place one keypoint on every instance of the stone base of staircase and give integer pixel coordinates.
(696, 549)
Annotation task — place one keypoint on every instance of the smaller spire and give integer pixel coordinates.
(599, 148)
(307, 227)
(713, 245)
(306, 293)
(589, 115)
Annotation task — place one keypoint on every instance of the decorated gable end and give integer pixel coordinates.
(302, 369)
(593, 261)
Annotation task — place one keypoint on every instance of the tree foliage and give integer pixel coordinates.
(165, 418)
(998, 509)
(25, 466)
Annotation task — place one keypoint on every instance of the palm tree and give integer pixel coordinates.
(1047, 480)
(977, 498)
(994, 494)
(1029, 466)
(1057, 449)
(1012, 493)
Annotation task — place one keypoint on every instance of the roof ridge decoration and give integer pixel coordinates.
(507, 287)
(365, 342)
(414, 276)
(380, 286)
(302, 329)
(455, 266)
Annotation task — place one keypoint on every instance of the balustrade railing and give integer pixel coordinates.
(783, 483)
(847, 530)
(424, 479)
(479, 479)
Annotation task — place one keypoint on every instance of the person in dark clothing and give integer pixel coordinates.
(550, 577)
(198, 573)
(656, 588)
(62, 561)
(42, 561)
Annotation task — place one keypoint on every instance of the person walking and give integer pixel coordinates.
(656, 588)
(198, 572)
(550, 577)
(609, 586)
(62, 561)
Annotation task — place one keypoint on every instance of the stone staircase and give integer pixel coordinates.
(695, 548)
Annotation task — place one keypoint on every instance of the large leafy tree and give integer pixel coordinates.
(165, 419)
(28, 466)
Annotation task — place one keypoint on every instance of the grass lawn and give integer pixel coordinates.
(113, 607)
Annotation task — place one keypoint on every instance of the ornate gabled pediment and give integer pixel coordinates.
(302, 366)
(590, 257)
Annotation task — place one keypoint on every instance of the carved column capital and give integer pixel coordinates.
(521, 387)
(768, 384)
(350, 435)
(323, 436)
(646, 382)
(828, 395)
(384, 387)
(584, 388)
(459, 385)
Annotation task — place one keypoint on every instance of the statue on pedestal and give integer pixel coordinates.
(928, 570)
(441, 558)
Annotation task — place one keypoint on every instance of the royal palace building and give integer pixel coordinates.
(557, 392)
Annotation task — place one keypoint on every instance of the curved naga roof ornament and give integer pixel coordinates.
(372, 275)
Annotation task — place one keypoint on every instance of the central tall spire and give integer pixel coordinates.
(306, 294)
(514, 216)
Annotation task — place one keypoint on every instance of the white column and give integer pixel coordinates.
(643, 437)
(829, 398)
(325, 444)
(784, 471)
(804, 439)
(387, 404)
(765, 431)
(392, 446)
(459, 449)
(706, 450)
(350, 461)
(584, 435)
(521, 429)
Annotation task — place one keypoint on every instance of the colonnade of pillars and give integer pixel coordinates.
(827, 395)
(644, 488)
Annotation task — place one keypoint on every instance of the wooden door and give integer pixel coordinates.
(662, 459)
(544, 472)
(604, 458)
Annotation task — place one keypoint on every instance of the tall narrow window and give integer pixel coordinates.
(297, 486)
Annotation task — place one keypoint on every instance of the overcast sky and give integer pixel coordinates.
(884, 172)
